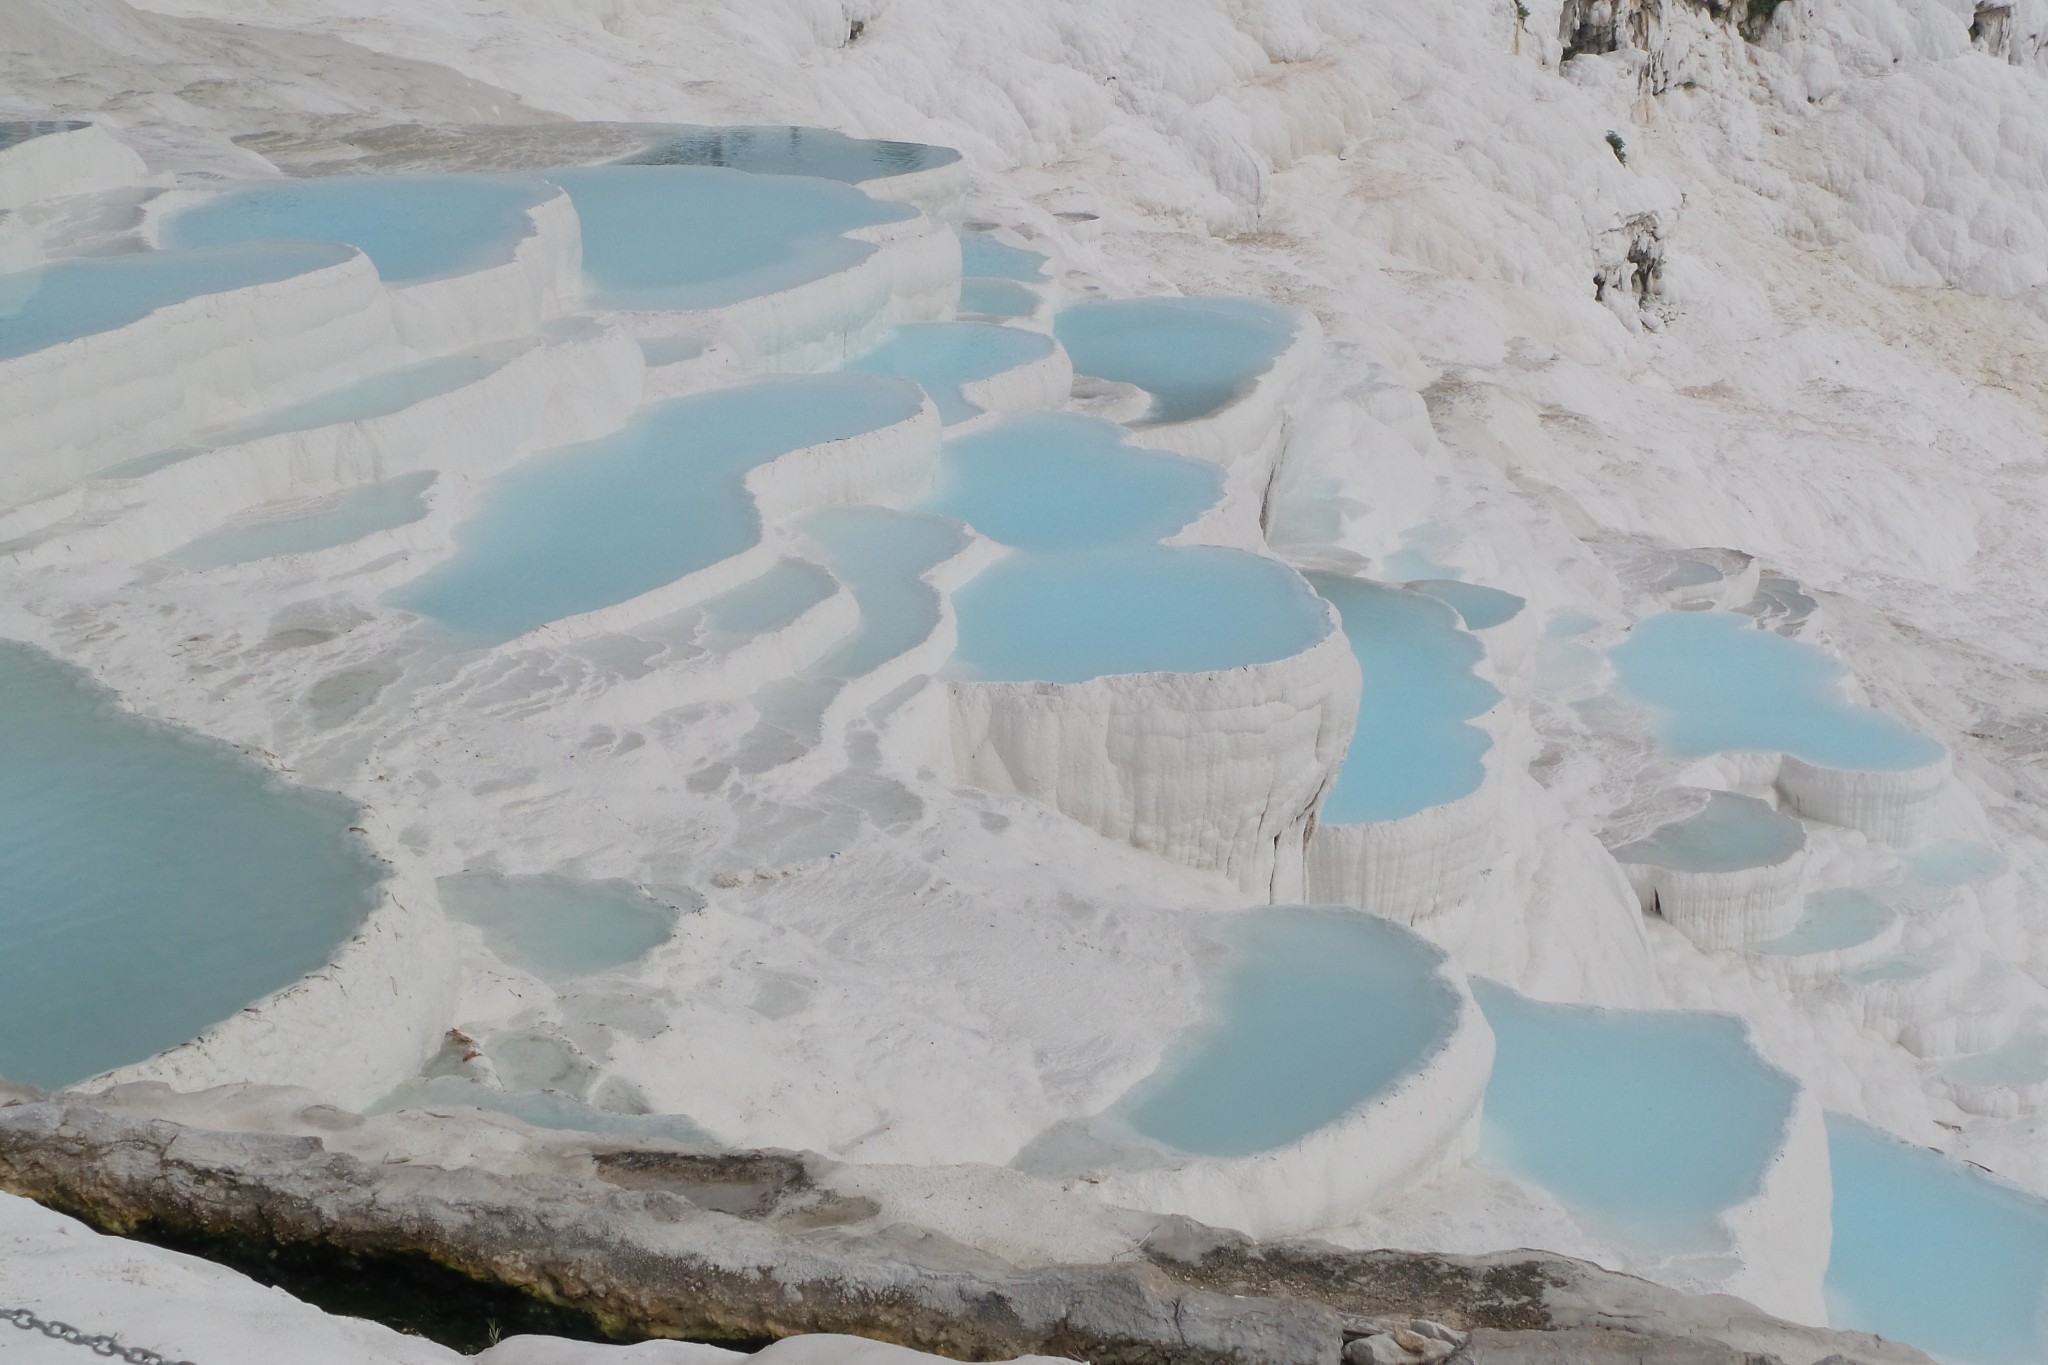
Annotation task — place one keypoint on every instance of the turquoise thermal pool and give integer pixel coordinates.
(1412, 748)
(69, 299)
(997, 298)
(412, 227)
(881, 555)
(943, 356)
(1716, 683)
(1193, 355)
(688, 237)
(377, 395)
(768, 602)
(152, 882)
(1930, 1252)
(1481, 608)
(1647, 1123)
(2020, 1061)
(1728, 833)
(599, 523)
(1954, 862)
(1840, 918)
(344, 518)
(1314, 1013)
(788, 150)
(987, 257)
(558, 927)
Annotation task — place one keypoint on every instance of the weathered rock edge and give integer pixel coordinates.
(654, 1240)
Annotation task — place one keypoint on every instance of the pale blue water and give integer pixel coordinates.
(782, 150)
(599, 523)
(2022, 1060)
(770, 601)
(541, 1108)
(66, 299)
(412, 227)
(1647, 1123)
(1315, 1012)
(1055, 481)
(1419, 555)
(152, 882)
(1954, 862)
(1069, 617)
(14, 132)
(1729, 832)
(1835, 919)
(356, 513)
(377, 395)
(558, 927)
(878, 554)
(1412, 748)
(997, 298)
(1717, 683)
(985, 256)
(942, 356)
(1481, 608)
(1930, 1252)
(1892, 969)
(658, 237)
(1193, 355)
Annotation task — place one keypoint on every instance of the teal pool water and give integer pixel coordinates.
(1717, 683)
(558, 927)
(412, 227)
(1315, 1012)
(2022, 1060)
(67, 299)
(152, 882)
(1954, 862)
(1728, 833)
(997, 298)
(1481, 608)
(1193, 355)
(600, 523)
(1083, 614)
(349, 517)
(1839, 918)
(1647, 1123)
(779, 150)
(684, 237)
(990, 258)
(377, 395)
(879, 555)
(1930, 1252)
(1412, 748)
(942, 356)
(770, 601)
(1055, 481)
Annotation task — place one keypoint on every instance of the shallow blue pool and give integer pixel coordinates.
(599, 523)
(1315, 1012)
(1954, 862)
(1193, 355)
(558, 927)
(2022, 1060)
(1930, 1252)
(67, 299)
(412, 227)
(787, 150)
(1839, 918)
(1412, 748)
(1727, 833)
(1646, 1123)
(1055, 481)
(349, 517)
(683, 237)
(879, 554)
(1084, 614)
(986, 256)
(152, 882)
(1482, 608)
(997, 298)
(942, 356)
(540, 1108)
(769, 601)
(1718, 683)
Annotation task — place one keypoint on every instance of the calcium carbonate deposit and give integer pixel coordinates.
(1411, 624)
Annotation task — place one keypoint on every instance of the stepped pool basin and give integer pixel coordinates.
(690, 237)
(599, 523)
(1193, 355)
(153, 869)
(2020, 1061)
(942, 356)
(1481, 608)
(1835, 919)
(1315, 1012)
(1729, 833)
(412, 227)
(1930, 1252)
(997, 298)
(1412, 748)
(332, 521)
(558, 927)
(1954, 862)
(880, 555)
(1069, 617)
(1060, 482)
(785, 150)
(987, 257)
(65, 300)
(1646, 1123)
(1717, 683)
(770, 601)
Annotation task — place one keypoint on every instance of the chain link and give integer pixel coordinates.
(97, 1344)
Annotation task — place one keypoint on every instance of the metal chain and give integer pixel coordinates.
(98, 1345)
